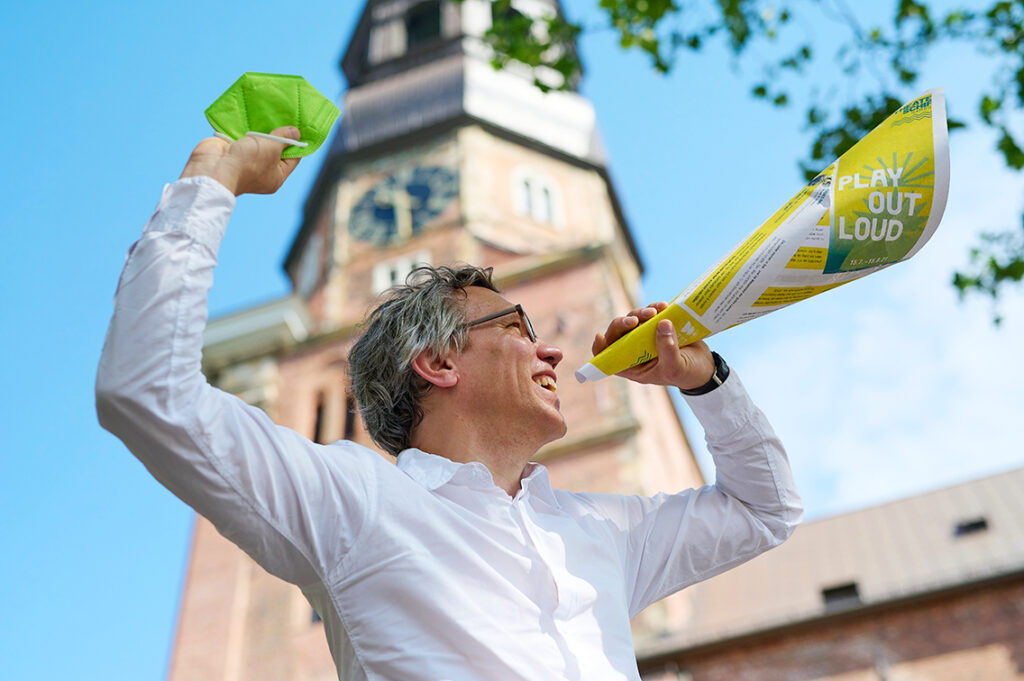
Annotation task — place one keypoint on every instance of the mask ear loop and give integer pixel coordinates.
(285, 140)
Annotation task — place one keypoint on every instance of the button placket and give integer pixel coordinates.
(538, 543)
(569, 589)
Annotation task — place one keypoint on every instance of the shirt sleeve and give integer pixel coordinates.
(671, 541)
(256, 481)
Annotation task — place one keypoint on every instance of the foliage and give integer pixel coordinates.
(885, 60)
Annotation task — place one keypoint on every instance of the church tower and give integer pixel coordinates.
(438, 159)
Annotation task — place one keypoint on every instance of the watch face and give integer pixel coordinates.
(398, 207)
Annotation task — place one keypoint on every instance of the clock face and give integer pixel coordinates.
(398, 207)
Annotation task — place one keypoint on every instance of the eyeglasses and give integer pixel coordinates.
(527, 326)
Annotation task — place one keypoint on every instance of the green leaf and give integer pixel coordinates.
(1011, 152)
(987, 107)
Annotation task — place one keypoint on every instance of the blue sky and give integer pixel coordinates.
(882, 388)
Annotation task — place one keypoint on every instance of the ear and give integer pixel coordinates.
(438, 372)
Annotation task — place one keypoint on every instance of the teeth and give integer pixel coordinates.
(547, 383)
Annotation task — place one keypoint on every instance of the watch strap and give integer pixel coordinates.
(717, 378)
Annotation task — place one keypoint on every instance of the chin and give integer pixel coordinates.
(559, 431)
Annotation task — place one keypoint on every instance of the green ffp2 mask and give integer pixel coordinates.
(261, 102)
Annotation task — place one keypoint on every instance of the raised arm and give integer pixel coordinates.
(673, 540)
(263, 486)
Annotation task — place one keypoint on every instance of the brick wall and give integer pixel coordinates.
(970, 635)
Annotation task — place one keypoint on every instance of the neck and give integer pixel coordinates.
(459, 441)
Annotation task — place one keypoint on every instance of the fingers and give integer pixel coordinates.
(262, 149)
(289, 131)
(655, 370)
(287, 165)
(620, 326)
(250, 165)
(258, 161)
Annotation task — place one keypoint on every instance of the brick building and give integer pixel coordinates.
(929, 588)
(439, 159)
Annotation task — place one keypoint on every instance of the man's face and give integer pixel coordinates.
(508, 379)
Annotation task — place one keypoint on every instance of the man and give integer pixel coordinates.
(460, 562)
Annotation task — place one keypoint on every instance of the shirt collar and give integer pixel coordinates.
(434, 471)
(429, 470)
(537, 482)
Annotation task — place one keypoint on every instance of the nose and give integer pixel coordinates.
(549, 353)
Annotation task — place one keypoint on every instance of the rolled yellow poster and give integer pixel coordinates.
(873, 207)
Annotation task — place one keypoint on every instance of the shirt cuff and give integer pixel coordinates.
(196, 206)
(724, 410)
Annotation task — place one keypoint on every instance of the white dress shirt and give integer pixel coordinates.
(424, 570)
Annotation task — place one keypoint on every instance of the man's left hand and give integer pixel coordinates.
(250, 165)
(688, 367)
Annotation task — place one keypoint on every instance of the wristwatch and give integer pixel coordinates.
(717, 378)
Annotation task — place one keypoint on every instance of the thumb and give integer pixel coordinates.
(665, 337)
(667, 344)
(287, 165)
(289, 131)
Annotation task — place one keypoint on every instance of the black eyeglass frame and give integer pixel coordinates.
(530, 333)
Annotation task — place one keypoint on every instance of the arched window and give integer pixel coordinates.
(422, 24)
(524, 197)
(546, 210)
(537, 197)
(309, 268)
(391, 272)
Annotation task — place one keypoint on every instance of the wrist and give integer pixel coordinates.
(229, 182)
(210, 160)
(718, 377)
(222, 176)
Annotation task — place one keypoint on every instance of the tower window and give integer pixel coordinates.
(318, 424)
(393, 272)
(546, 213)
(351, 414)
(423, 24)
(537, 197)
(525, 197)
(972, 526)
(841, 597)
(309, 269)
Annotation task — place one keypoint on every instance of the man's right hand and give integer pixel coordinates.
(685, 367)
(250, 165)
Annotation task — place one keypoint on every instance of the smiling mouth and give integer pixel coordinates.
(547, 383)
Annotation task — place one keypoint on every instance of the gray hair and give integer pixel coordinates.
(416, 316)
